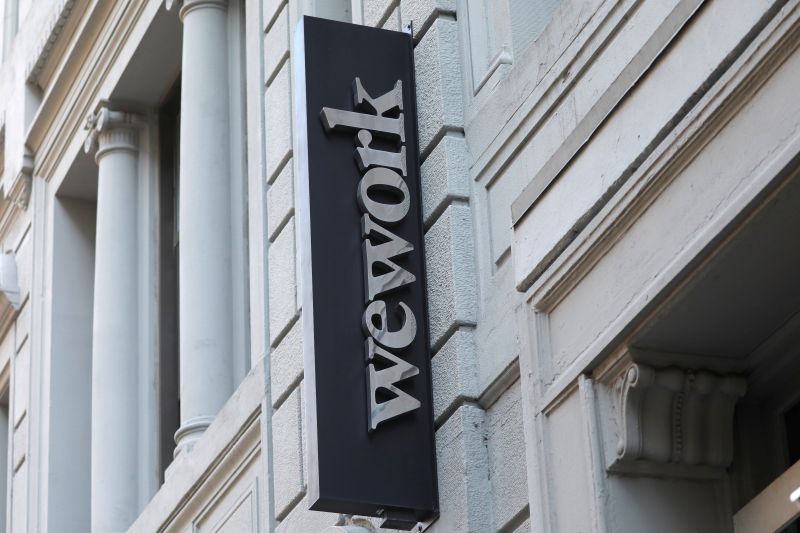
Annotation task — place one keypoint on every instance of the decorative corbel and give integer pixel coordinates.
(674, 422)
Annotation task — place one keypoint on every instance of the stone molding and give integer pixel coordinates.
(111, 130)
(674, 422)
(55, 27)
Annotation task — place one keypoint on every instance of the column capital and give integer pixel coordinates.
(110, 128)
(185, 6)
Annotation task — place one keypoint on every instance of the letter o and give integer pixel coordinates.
(387, 179)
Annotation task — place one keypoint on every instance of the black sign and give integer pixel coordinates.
(365, 323)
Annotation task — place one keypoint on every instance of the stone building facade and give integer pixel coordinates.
(610, 200)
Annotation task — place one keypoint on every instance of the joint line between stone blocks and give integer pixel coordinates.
(428, 22)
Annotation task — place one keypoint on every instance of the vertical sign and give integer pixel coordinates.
(365, 327)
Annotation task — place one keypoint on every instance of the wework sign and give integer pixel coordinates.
(367, 361)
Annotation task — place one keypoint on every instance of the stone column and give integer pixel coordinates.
(115, 348)
(206, 369)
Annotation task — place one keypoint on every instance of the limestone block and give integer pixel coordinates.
(393, 21)
(7, 347)
(376, 11)
(282, 282)
(438, 70)
(287, 454)
(422, 13)
(507, 464)
(454, 373)
(278, 122)
(20, 444)
(301, 520)
(566, 449)
(271, 9)
(464, 489)
(286, 365)
(24, 258)
(22, 370)
(276, 44)
(444, 176)
(452, 287)
(280, 201)
(22, 326)
(19, 499)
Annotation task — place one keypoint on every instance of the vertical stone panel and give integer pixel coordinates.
(507, 465)
(280, 201)
(22, 369)
(278, 122)
(282, 282)
(568, 475)
(287, 457)
(276, 44)
(376, 12)
(286, 366)
(454, 373)
(444, 176)
(464, 488)
(19, 491)
(452, 290)
(438, 70)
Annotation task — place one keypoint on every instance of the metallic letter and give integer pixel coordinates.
(351, 120)
(380, 105)
(385, 179)
(396, 340)
(348, 120)
(383, 253)
(370, 157)
(386, 379)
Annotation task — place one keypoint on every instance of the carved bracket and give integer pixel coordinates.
(674, 422)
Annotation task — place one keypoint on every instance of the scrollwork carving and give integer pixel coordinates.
(674, 421)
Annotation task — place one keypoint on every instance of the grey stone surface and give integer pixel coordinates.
(377, 11)
(422, 13)
(452, 287)
(301, 520)
(439, 87)
(393, 20)
(286, 363)
(464, 488)
(507, 466)
(444, 176)
(278, 122)
(454, 373)
(287, 455)
(280, 201)
(271, 8)
(282, 282)
(276, 44)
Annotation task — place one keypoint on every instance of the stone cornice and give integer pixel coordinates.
(75, 91)
(47, 44)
